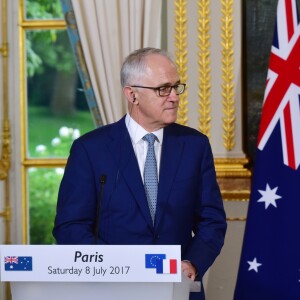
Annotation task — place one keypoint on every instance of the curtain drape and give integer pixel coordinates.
(73, 33)
(109, 30)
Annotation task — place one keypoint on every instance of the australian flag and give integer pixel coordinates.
(270, 261)
(18, 263)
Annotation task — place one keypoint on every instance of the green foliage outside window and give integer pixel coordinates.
(43, 9)
(40, 43)
(43, 187)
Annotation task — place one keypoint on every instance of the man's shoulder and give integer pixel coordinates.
(185, 131)
(104, 131)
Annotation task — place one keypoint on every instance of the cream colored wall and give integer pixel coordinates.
(215, 62)
(221, 278)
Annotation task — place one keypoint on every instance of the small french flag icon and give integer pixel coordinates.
(166, 266)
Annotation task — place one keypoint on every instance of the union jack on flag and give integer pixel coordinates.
(11, 259)
(281, 101)
(270, 259)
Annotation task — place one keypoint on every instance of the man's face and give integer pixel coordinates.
(155, 112)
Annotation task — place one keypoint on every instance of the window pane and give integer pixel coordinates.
(57, 107)
(43, 9)
(43, 185)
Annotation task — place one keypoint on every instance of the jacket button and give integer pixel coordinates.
(156, 237)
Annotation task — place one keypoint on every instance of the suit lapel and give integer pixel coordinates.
(121, 148)
(170, 157)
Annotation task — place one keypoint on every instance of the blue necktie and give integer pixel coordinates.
(150, 174)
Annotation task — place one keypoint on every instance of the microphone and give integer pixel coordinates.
(103, 178)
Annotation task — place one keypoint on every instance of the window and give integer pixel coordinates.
(54, 113)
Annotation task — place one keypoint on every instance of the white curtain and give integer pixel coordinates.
(109, 30)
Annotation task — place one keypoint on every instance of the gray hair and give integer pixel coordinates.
(135, 63)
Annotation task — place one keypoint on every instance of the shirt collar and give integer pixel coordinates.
(137, 132)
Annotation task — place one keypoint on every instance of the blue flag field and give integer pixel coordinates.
(270, 260)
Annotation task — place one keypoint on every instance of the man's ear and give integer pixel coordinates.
(130, 95)
(133, 98)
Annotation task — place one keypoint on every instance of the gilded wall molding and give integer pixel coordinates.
(5, 147)
(5, 150)
(232, 167)
(181, 57)
(204, 67)
(4, 50)
(227, 74)
(234, 178)
(5, 161)
(241, 219)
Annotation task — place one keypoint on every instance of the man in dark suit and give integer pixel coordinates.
(187, 208)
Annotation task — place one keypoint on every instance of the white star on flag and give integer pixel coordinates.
(253, 265)
(269, 196)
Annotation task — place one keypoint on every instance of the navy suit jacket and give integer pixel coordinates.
(189, 206)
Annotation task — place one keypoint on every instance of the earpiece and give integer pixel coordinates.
(133, 98)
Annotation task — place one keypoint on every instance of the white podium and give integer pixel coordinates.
(94, 272)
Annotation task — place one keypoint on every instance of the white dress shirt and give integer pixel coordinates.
(136, 133)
